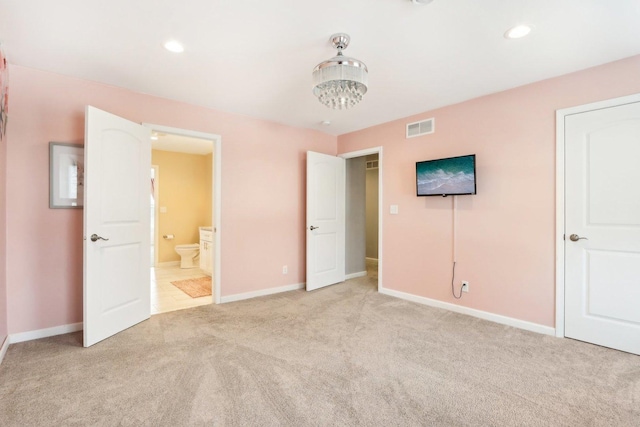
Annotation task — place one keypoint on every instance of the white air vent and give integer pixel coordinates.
(421, 128)
(372, 164)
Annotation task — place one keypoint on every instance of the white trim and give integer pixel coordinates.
(355, 275)
(184, 132)
(217, 219)
(560, 207)
(156, 213)
(361, 153)
(261, 293)
(559, 223)
(4, 348)
(45, 333)
(168, 264)
(217, 195)
(375, 150)
(485, 315)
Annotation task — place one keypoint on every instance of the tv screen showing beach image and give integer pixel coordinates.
(455, 175)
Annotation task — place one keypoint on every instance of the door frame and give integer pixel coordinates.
(362, 153)
(560, 189)
(156, 213)
(216, 176)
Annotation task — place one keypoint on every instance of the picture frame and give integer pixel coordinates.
(66, 176)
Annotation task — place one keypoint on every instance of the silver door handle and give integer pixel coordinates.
(575, 238)
(95, 238)
(313, 228)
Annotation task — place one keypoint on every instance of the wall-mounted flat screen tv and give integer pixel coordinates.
(446, 177)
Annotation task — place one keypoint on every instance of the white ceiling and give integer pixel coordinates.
(255, 57)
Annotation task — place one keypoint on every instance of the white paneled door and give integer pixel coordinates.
(325, 220)
(602, 215)
(116, 225)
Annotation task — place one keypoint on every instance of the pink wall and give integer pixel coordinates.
(505, 233)
(263, 188)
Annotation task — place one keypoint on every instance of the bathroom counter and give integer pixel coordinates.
(206, 250)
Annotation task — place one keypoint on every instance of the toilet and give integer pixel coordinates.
(188, 254)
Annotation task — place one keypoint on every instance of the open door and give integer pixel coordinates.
(602, 225)
(117, 156)
(325, 220)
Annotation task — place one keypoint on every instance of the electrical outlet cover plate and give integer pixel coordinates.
(465, 286)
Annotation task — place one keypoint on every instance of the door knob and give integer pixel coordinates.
(95, 238)
(313, 228)
(575, 238)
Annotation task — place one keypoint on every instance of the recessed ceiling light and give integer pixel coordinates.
(154, 136)
(174, 46)
(517, 32)
(325, 122)
(421, 1)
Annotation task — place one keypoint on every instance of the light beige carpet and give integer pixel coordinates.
(339, 356)
(195, 288)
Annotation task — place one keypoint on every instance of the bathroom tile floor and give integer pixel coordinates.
(166, 297)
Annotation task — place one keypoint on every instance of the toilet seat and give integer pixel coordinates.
(188, 246)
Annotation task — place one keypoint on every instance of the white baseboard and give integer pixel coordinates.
(44, 333)
(261, 293)
(168, 264)
(504, 320)
(4, 348)
(354, 275)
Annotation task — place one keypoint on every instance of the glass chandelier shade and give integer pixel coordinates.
(340, 82)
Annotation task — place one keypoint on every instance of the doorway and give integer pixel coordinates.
(188, 206)
(330, 259)
(363, 214)
(597, 222)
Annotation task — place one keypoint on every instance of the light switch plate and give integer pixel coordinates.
(394, 210)
(163, 209)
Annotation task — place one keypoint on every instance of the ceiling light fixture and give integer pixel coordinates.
(423, 2)
(340, 82)
(517, 32)
(174, 46)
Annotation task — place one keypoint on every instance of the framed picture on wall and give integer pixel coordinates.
(66, 175)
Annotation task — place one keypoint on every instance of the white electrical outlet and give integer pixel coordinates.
(465, 286)
(285, 269)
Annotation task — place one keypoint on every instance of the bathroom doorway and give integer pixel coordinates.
(183, 195)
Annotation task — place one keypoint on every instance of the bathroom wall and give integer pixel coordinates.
(185, 192)
(355, 216)
(505, 235)
(371, 185)
(263, 193)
